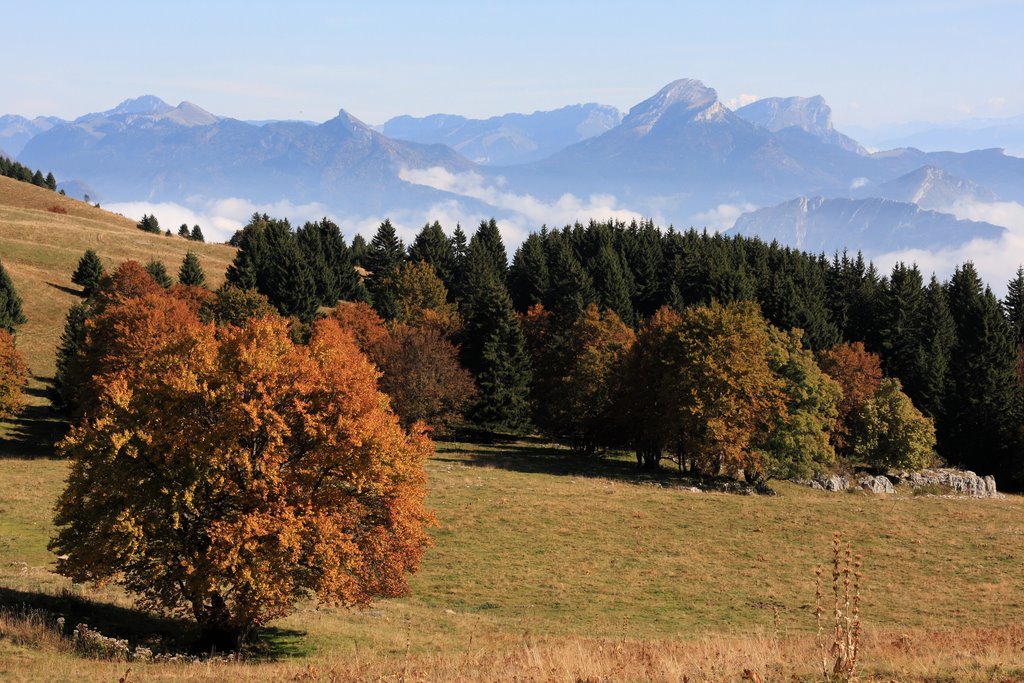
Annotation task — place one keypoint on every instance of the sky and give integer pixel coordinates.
(876, 63)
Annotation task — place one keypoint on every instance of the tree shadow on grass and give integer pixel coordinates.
(67, 290)
(162, 634)
(136, 626)
(33, 432)
(534, 455)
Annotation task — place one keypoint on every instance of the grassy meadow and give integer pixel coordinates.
(544, 567)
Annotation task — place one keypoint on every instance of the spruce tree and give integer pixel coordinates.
(489, 235)
(571, 289)
(1013, 305)
(51, 182)
(979, 429)
(197, 234)
(149, 223)
(183, 231)
(288, 279)
(360, 251)
(386, 253)
(939, 335)
(191, 273)
(157, 269)
(88, 273)
(460, 247)
(432, 246)
(11, 315)
(493, 347)
(528, 279)
(72, 340)
(38, 180)
(611, 284)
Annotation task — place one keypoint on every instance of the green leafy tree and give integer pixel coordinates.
(158, 270)
(798, 444)
(11, 315)
(893, 433)
(191, 272)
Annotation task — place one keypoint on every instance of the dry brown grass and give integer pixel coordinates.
(30, 650)
(42, 236)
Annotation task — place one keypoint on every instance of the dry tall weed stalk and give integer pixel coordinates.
(840, 654)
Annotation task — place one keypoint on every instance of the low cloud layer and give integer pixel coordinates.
(722, 217)
(527, 212)
(218, 218)
(996, 260)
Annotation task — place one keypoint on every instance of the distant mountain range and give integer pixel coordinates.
(679, 156)
(509, 139)
(818, 224)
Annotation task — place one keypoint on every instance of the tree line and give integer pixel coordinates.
(952, 345)
(13, 169)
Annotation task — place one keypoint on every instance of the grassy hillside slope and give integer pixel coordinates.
(549, 569)
(40, 249)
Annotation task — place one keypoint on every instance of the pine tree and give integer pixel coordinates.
(183, 231)
(11, 315)
(88, 273)
(159, 272)
(493, 346)
(38, 180)
(1013, 305)
(197, 234)
(191, 273)
(979, 428)
(51, 182)
(460, 247)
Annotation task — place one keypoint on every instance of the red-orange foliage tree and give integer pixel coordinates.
(859, 374)
(228, 472)
(422, 375)
(13, 375)
(419, 367)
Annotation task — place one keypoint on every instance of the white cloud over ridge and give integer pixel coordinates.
(997, 260)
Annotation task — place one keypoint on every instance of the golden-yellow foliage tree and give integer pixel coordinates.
(727, 393)
(227, 472)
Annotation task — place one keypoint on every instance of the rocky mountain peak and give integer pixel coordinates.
(687, 98)
(147, 104)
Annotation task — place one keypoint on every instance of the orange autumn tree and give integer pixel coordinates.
(227, 472)
(13, 375)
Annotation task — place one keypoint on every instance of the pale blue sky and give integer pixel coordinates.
(875, 62)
